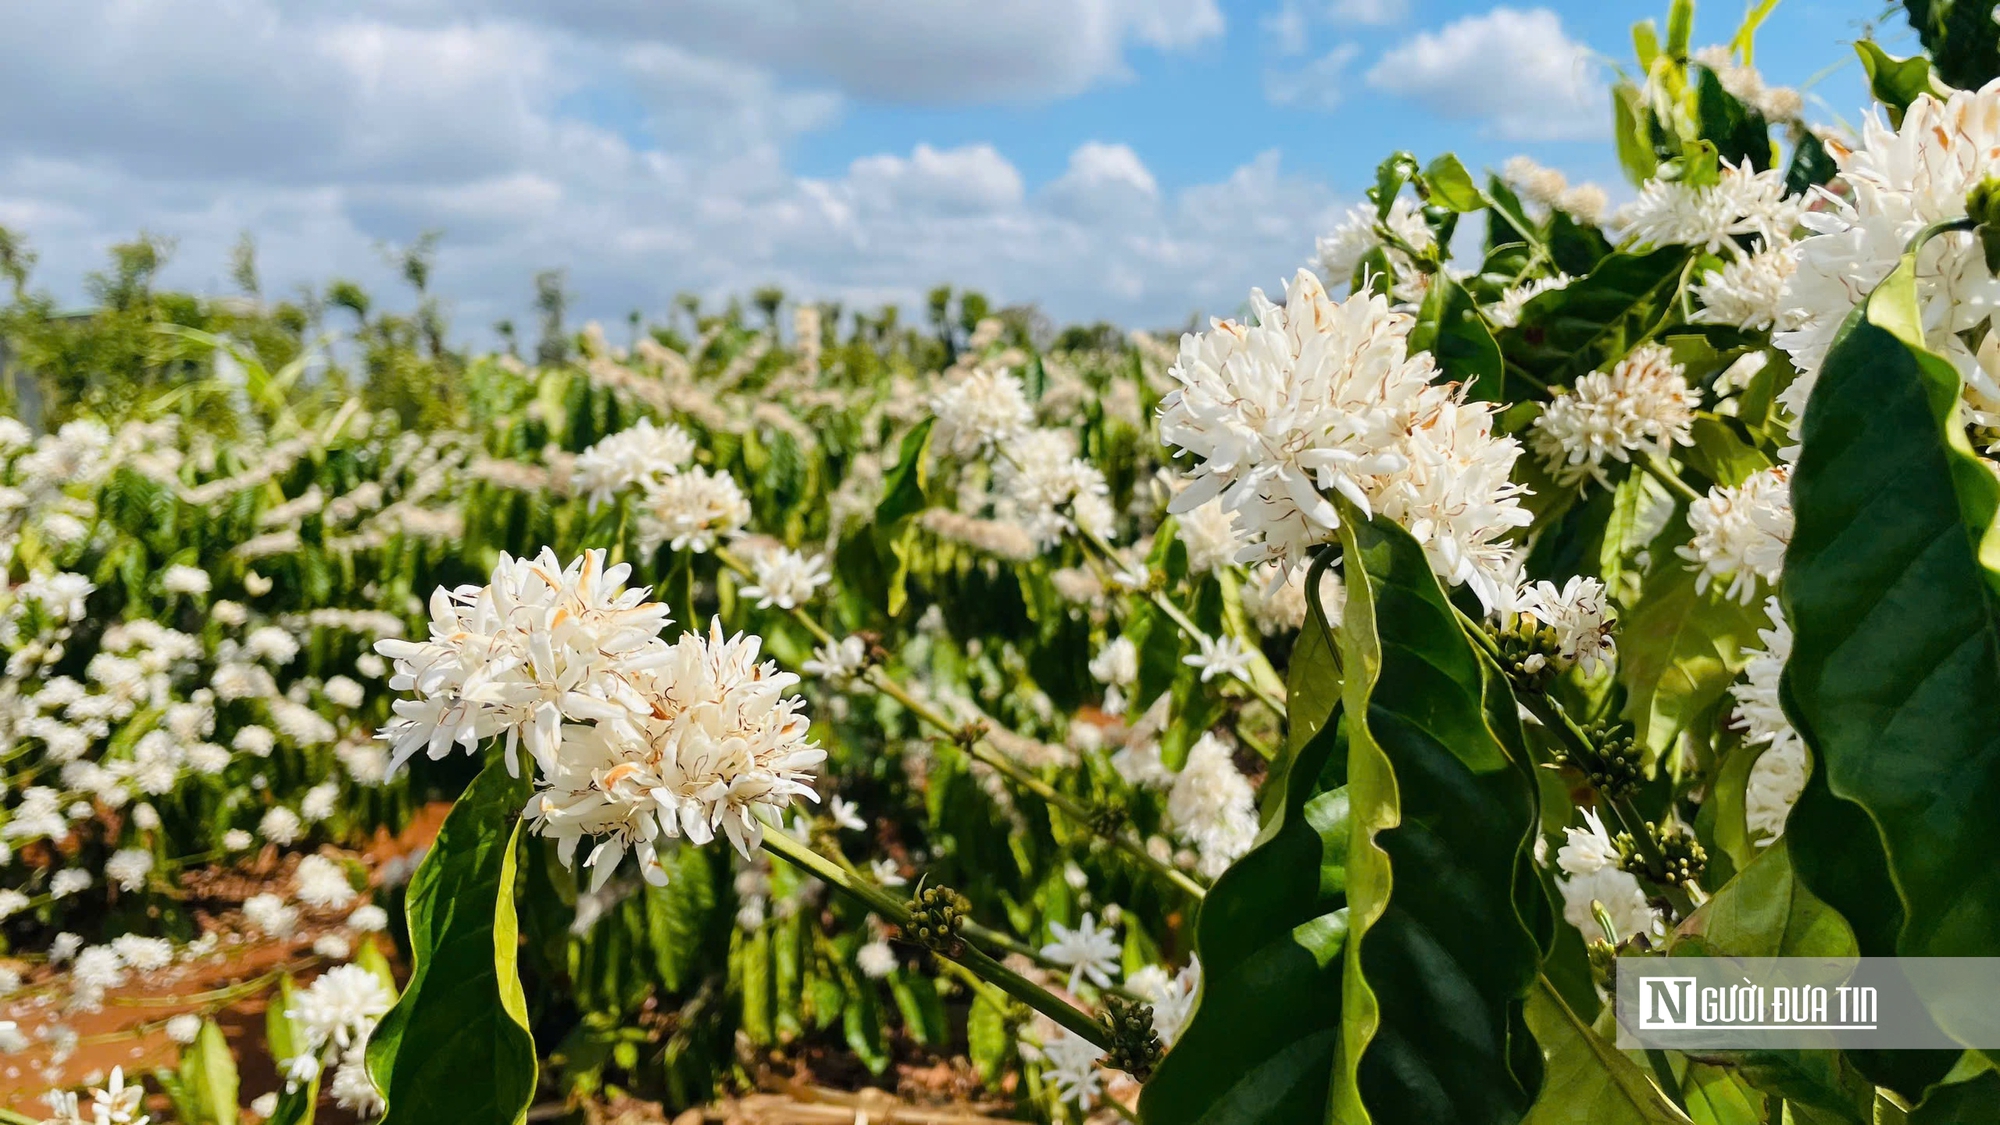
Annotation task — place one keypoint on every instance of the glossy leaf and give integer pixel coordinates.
(208, 1077)
(1588, 1080)
(1439, 959)
(463, 1012)
(1450, 327)
(1259, 1047)
(1891, 586)
(1680, 648)
(1595, 319)
(1962, 38)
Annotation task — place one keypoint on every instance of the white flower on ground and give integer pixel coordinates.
(1740, 533)
(1579, 615)
(321, 883)
(785, 578)
(1643, 404)
(270, 913)
(1090, 953)
(979, 411)
(1899, 181)
(184, 1027)
(1220, 656)
(1744, 202)
(1212, 806)
(639, 455)
(1321, 397)
(875, 959)
(691, 511)
(1590, 861)
(1072, 1067)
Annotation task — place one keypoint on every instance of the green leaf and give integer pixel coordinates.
(1720, 453)
(1896, 82)
(1440, 958)
(1764, 912)
(1961, 37)
(280, 1038)
(1575, 330)
(1587, 1079)
(903, 488)
(1975, 1101)
(1811, 166)
(1449, 326)
(1891, 585)
(1259, 1047)
(463, 1013)
(1679, 649)
(208, 1075)
(1451, 186)
(1715, 1096)
(678, 914)
(987, 1041)
(1739, 132)
(1629, 127)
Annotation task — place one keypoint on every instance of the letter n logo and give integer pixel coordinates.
(1666, 1002)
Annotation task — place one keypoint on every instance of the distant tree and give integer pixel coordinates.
(552, 302)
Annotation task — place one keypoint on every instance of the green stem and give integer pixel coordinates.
(1652, 464)
(1268, 692)
(780, 844)
(883, 682)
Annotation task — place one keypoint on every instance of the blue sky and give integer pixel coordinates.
(1136, 160)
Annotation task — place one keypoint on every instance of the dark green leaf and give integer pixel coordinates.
(1891, 588)
(1575, 330)
(463, 1012)
(1739, 132)
(1679, 649)
(1449, 326)
(1260, 1045)
(1587, 1079)
(1961, 37)
(1440, 958)
(903, 488)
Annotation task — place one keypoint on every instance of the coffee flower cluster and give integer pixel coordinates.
(634, 739)
(1318, 397)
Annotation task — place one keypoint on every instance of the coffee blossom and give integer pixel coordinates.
(1642, 405)
(1740, 533)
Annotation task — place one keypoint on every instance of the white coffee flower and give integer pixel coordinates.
(1506, 311)
(1320, 397)
(344, 691)
(978, 411)
(184, 1028)
(1209, 534)
(639, 455)
(179, 579)
(68, 881)
(339, 1008)
(280, 825)
(321, 883)
(1351, 241)
(1779, 774)
(691, 511)
(270, 913)
(1089, 952)
(875, 960)
(839, 663)
(1220, 656)
(368, 919)
(1744, 202)
(1172, 997)
(1579, 615)
(785, 578)
(129, 867)
(717, 742)
(1117, 663)
(1212, 806)
(1898, 182)
(1746, 293)
(1642, 405)
(1590, 861)
(1740, 533)
(1072, 1067)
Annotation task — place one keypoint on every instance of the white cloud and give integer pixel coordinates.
(641, 164)
(1319, 84)
(1289, 26)
(1372, 12)
(901, 50)
(1514, 69)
